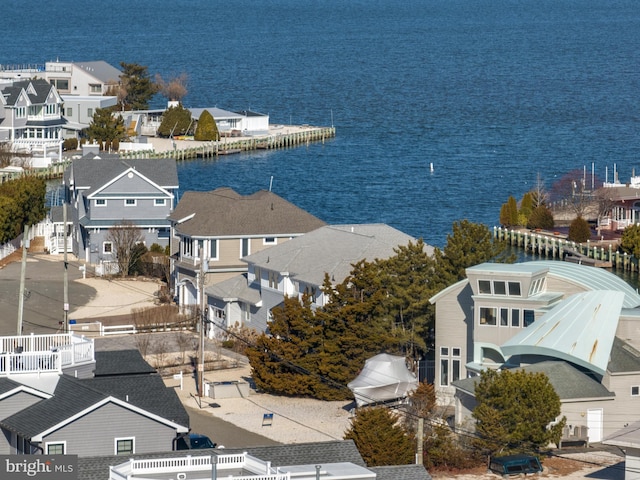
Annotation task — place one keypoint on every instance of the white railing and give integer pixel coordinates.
(44, 353)
(157, 466)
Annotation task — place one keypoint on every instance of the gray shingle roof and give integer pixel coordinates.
(144, 391)
(332, 249)
(401, 472)
(97, 468)
(235, 288)
(40, 85)
(225, 213)
(568, 382)
(100, 70)
(624, 357)
(94, 173)
(121, 362)
(6, 385)
(70, 397)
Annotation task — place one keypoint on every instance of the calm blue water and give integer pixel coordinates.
(492, 93)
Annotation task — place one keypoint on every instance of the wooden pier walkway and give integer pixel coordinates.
(553, 246)
(227, 146)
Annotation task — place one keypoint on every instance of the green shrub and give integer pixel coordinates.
(70, 144)
(579, 230)
(541, 217)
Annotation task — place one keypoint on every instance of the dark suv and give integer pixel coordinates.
(194, 441)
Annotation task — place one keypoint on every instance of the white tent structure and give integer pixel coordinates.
(384, 377)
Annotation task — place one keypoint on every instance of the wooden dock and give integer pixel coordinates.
(553, 246)
(227, 146)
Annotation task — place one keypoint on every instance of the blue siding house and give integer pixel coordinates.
(105, 191)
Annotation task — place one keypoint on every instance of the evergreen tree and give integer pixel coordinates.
(470, 244)
(106, 128)
(630, 241)
(541, 217)
(526, 205)
(27, 194)
(137, 86)
(509, 213)
(379, 438)
(579, 230)
(207, 130)
(515, 411)
(175, 121)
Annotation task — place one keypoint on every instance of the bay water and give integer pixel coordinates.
(443, 108)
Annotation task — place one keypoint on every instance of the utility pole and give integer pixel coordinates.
(420, 439)
(201, 319)
(65, 315)
(23, 272)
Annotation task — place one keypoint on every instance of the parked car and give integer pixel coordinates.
(194, 441)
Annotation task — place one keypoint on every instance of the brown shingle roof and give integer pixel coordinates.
(225, 213)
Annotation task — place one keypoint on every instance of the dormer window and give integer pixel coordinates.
(499, 288)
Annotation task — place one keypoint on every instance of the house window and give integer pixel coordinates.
(537, 286)
(257, 274)
(125, 446)
(484, 287)
(160, 202)
(101, 202)
(68, 112)
(89, 112)
(450, 365)
(269, 241)
(187, 247)
(245, 247)
(55, 448)
(107, 247)
(129, 202)
(529, 317)
(635, 391)
(273, 280)
(499, 288)
(488, 315)
(515, 317)
(95, 88)
(514, 289)
(21, 112)
(311, 292)
(213, 249)
(504, 317)
(51, 109)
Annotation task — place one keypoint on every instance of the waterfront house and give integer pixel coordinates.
(106, 192)
(621, 204)
(575, 323)
(337, 460)
(79, 110)
(298, 267)
(212, 232)
(94, 78)
(31, 120)
(58, 396)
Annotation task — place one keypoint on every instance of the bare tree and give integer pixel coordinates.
(174, 88)
(119, 90)
(142, 342)
(125, 239)
(9, 157)
(183, 341)
(161, 351)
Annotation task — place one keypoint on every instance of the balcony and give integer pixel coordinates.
(45, 353)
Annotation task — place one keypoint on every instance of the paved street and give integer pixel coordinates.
(44, 294)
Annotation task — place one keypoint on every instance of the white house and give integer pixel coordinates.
(575, 323)
(298, 267)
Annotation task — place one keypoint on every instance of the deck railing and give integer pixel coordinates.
(260, 469)
(44, 353)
